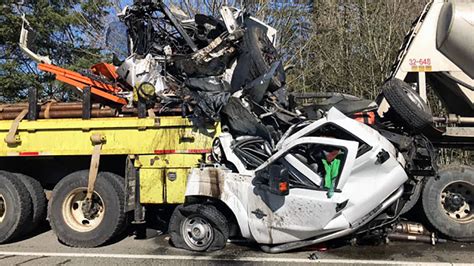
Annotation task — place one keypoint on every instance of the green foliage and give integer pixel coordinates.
(69, 32)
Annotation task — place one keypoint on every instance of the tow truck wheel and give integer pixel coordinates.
(15, 207)
(38, 200)
(78, 222)
(121, 186)
(198, 227)
(448, 202)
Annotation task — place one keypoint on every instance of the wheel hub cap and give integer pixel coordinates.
(457, 201)
(81, 214)
(197, 233)
(90, 209)
(454, 201)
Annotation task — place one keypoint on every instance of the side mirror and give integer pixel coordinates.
(278, 180)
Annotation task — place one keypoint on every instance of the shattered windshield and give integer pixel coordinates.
(117, 39)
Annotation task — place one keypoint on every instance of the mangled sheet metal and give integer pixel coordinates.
(203, 60)
(165, 58)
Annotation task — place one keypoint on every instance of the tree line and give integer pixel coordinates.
(332, 45)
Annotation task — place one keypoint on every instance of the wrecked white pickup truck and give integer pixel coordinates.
(325, 179)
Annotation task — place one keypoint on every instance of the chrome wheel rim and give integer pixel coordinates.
(74, 215)
(457, 201)
(418, 101)
(197, 233)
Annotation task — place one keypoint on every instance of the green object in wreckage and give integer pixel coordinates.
(332, 171)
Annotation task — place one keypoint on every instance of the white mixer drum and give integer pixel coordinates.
(455, 34)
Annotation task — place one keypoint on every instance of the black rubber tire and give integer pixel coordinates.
(435, 212)
(18, 211)
(215, 218)
(416, 118)
(121, 186)
(38, 200)
(413, 198)
(113, 197)
(252, 63)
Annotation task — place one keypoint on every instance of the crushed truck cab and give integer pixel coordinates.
(301, 209)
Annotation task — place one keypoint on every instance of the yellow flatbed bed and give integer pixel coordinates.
(163, 148)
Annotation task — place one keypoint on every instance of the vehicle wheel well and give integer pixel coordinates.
(220, 206)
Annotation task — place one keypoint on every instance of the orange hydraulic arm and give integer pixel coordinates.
(101, 89)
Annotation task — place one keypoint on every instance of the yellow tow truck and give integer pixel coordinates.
(95, 171)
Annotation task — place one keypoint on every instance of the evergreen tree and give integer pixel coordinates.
(69, 32)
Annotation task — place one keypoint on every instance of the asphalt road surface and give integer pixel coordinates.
(44, 249)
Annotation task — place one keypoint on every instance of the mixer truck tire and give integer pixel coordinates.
(448, 202)
(409, 109)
